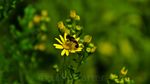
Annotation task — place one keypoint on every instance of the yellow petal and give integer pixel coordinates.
(65, 35)
(62, 39)
(67, 52)
(58, 40)
(74, 36)
(79, 49)
(72, 51)
(77, 39)
(58, 46)
(63, 52)
(81, 44)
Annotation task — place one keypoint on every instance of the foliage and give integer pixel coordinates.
(28, 39)
(118, 28)
(6, 7)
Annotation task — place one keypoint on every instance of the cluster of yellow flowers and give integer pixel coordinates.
(70, 41)
(73, 15)
(122, 78)
(38, 18)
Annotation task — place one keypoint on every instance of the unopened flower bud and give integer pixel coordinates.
(113, 76)
(127, 79)
(47, 19)
(88, 50)
(77, 17)
(87, 39)
(117, 80)
(121, 81)
(69, 26)
(78, 27)
(93, 49)
(43, 27)
(91, 45)
(68, 20)
(56, 67)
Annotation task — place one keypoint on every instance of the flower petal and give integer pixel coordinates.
(79, 49)
(65, 35)
(74, 36)
(62, 39)
(58, 40)
(72, 51)
(63, 52)
(67, 52)
(58, 46)
(77, 39)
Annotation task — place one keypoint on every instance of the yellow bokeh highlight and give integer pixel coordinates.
(106, 48)
(37, 19)
(125, 47)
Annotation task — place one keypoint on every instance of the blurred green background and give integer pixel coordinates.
(120, 31)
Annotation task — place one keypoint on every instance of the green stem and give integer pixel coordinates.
(64, 72)
(1, 76)
(73, 82)
(79, 64)
(21, 76)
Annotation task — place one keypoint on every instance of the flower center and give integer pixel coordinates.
(69, 45)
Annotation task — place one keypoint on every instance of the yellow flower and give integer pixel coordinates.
(123, 71)
(40, 47)
(73, 14)
(37, 19)
(30, 24)
(113, 76)
(77, 17)
(67, 45)
(61, 25)
(44, 13)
